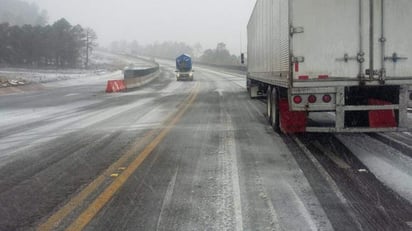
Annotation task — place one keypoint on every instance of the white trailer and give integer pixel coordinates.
(351, 59)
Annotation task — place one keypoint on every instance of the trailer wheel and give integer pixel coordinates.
(269, 104)
(275, 109)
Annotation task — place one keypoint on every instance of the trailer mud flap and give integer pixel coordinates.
(381, 118)
(291, 121)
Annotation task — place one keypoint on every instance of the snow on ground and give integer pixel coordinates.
(389, 165)
(89, 80)
(60, 121)
(119, 60)
(102, 64)
(46, 75)
(13, 117)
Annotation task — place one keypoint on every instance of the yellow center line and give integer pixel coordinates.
(108, 193)
(54, 220)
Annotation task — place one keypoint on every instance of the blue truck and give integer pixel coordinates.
(184, 69)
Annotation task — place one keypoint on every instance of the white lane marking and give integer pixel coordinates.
(168, 197)
(264, 195)
(306, 204)
(302, 209)
(329, 180)
(71, 94)
(231, 148)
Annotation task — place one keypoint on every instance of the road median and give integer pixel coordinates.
(134, 77)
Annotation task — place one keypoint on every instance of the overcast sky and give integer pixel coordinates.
(205, 21)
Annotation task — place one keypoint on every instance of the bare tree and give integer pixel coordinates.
(90, 44)
(197, 50)
(219, 56)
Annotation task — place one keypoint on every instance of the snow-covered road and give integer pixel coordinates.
(179, 156)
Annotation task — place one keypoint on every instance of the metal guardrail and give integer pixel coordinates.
(139, 72)
(230, 67)
(138, 76)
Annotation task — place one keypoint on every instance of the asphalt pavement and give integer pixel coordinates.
(187, 155)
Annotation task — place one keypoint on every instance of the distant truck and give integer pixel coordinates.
(184, 69)
(347, 64)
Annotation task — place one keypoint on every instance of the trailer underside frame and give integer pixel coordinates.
(380, 113)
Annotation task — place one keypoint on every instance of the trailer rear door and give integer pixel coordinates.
(325, 38)
(397, 36)
(334, 38)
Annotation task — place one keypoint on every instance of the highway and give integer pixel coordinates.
(181, 156)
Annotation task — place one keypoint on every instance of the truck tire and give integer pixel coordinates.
(275, 110)
(269, 104)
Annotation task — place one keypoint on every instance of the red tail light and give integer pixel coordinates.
(327, 98)
(297, 99)
(312, 99)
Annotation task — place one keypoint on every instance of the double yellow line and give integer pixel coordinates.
(102, 199)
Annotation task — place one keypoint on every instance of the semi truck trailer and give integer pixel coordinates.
(347, 63)
(184, 69)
